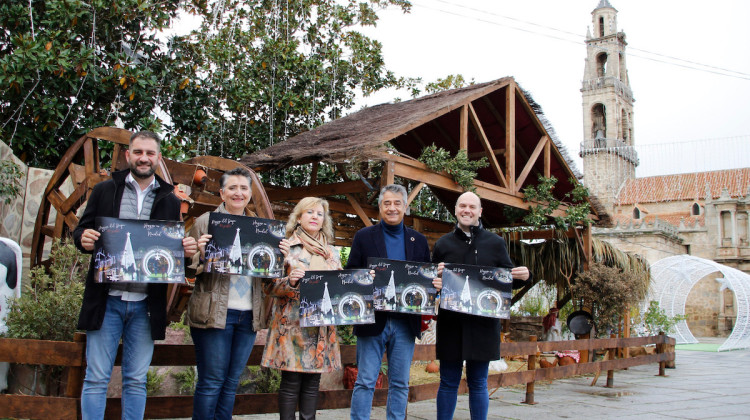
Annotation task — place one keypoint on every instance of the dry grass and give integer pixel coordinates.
(419, 376)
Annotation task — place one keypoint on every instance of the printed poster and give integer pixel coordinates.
(341, 297)
(477, 290)
(403, 286)
(139, 251)
(244, 245)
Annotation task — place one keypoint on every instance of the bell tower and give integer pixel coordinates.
(609, 158)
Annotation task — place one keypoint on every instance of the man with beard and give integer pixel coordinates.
(131, 311)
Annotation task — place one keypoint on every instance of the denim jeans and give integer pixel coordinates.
(130, 321)
(221, 356)
(397, 342)
(476, 379)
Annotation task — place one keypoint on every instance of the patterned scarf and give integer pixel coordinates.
(317, 247)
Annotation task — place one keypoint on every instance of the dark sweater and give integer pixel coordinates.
(463, 336)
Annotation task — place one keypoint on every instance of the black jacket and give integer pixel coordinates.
(463, 336)
(104, 201)
(370, 242)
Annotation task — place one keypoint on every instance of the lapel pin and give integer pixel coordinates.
(412, 239)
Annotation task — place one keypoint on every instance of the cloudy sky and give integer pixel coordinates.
(688, 62)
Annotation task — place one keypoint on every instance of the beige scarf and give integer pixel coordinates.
(317, 247)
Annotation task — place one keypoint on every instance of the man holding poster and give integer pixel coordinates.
(392, 333)
(134, 311)
(475, 339)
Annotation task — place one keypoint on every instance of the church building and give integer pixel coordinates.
(704, 214)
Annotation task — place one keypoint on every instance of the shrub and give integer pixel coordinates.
(51, 298)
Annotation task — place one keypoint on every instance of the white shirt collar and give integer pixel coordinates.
(130, 180)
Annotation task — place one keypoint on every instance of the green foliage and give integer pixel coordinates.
(258, 72)
(609, 291)
(67, 66)
(655, 320)
(49, 305)
(254, 73)
(267, 381)
(460, 168)
(346, 335)
(186, 379)
(535, 303)
(452, 81)
(344, 255)
(426, 204)
(154, 380)
(577, 210)
(10, 181)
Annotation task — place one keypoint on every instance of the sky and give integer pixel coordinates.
(688, 63)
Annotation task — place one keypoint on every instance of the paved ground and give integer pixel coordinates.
(703, 386)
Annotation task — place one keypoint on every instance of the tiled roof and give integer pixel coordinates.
(671, 218)
(685, 187)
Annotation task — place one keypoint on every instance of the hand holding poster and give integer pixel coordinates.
(244, 245)
(144, 251)
(403, 286)
(476, 290)
(341, 297)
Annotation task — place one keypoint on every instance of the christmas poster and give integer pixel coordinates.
(139, 251)
(476, 290)
(403, 286)
(341, 297)
(244, 245)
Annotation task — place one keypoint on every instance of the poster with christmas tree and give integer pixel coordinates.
(403, 286)
(244, 245)
(139, 251)
(340, 297)
(477, 290)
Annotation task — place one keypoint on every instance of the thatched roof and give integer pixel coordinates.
(411, 125)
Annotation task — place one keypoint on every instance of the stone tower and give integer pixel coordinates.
(609, 158)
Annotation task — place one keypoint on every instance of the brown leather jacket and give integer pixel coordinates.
(207, 307)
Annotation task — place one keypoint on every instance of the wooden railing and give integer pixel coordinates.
(72, 356)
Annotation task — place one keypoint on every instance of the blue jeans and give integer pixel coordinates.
(221, 356)
(397, 342)
(130, 321)
(476, 379)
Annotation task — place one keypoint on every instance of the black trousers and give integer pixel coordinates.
(298, 388)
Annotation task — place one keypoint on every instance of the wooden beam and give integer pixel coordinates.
(389, 173)
(532, 160)
(322, 190)
(510, 136)
(358, 209)
(487, 147)
(314, 174)
(413, 193)
(548, 159)
(464, 129)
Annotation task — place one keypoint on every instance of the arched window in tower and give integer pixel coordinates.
(695, 210)
(624, 132)
(636, 213)
(601, 65)
(601, 26)
(598, 125)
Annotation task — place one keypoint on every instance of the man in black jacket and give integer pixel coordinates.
(134, 312)
(460, 336)
(392, 333)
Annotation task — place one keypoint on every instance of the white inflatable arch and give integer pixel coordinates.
(674, 277)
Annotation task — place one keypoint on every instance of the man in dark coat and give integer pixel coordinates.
(134, 312)
(463, 337)
(392, 333)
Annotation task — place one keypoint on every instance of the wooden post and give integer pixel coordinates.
(531, 367)
(611, 372)
(659, 350)
(75, 373)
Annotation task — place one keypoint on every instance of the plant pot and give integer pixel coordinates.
(350, 377)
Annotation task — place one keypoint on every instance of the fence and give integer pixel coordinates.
(72, 356)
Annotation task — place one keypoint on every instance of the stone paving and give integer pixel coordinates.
(704, 385)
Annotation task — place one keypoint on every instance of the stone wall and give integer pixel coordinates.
(703, 307)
